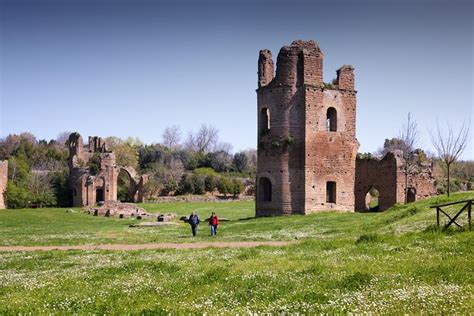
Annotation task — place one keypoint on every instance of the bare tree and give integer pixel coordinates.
(224, 146)
(190, 143)
(63, 137)
(171, 136)
(204, 140)
(409, 136)
(450, 144)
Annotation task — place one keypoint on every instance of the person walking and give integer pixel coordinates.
(213, 223)
(194, 222)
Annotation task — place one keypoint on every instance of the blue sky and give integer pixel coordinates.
(131, 68)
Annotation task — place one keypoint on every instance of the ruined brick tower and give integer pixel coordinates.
(88, 189)
(306, 134)
(3, 182)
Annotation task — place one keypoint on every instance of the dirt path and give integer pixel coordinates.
(197, 245)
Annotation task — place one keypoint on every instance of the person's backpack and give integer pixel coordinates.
(194, 220)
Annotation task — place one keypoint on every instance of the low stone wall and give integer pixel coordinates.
(199, 198)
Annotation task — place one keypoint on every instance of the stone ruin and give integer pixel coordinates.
(117, 209)
(126, 210)
(3, 182)
(94, 173)
(388, 177)
(307, 145)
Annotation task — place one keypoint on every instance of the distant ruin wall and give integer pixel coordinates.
(3, 182)
(388, 177)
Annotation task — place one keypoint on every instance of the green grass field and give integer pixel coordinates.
(391, 262)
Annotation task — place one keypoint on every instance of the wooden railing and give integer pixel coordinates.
(452, 220)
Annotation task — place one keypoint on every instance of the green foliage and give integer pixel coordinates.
(205, 172)
(62, 192)
(275, 144)
(210, 182)
(199, 184)
(224, 186)
(17, 196)
(240, 161)
(94, 164)
(186, 185)
(329, 85)
(290, 140)
(237, 187)
(366, 156)
(123, 187)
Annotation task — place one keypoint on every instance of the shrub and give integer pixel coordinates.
(211, 182)
(224, 186)
(199, 184)
(17, 196)
(187, 185)
(237, 187)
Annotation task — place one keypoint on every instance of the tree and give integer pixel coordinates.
(171, 136)
(224, 186)
(240, 161)
(126, 151)
(41, 189)
(449, 144)
(204, 140)
(409, 137)
(237, 187)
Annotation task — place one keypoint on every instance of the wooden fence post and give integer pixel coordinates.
(469, 209)
(437, 216)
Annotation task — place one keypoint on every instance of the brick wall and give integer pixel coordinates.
(3, 182)
(297, 102)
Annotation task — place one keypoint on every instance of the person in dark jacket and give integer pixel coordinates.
(213, 223)
(194, 222)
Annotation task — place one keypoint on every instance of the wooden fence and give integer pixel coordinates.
(452, 220)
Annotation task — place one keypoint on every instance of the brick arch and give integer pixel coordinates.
(132, 176)
(367, 203)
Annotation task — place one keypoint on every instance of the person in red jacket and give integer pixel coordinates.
(213, 222)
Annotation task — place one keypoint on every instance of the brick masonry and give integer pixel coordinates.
(89, 189)
(3, 182)
(307, 143)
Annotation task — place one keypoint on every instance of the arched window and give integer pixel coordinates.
(331, 120)
(411, 195)
(264, 190)
(265, 120)
(331, 192)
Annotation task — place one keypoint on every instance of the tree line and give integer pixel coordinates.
(38, 174)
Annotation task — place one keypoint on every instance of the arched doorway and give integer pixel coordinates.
(411, 195)
(372, 200)
(264, 190)
(125, 186)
